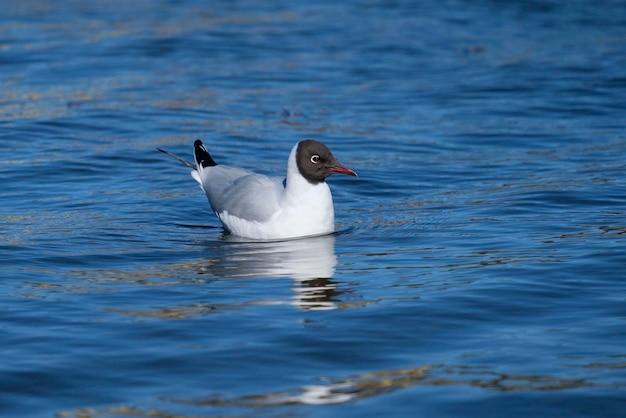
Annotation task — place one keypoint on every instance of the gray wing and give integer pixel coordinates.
(244, 194)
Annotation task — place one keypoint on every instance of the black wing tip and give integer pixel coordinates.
(202, 156)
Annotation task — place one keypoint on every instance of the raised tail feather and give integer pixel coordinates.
(200, 153)
(176, 157)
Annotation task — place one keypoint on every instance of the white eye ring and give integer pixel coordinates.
(315, 159)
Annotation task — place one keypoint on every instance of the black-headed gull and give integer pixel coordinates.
(256, 206)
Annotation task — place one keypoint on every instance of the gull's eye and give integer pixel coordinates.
(315, 159)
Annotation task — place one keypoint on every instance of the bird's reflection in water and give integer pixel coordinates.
(317, 293)
(310, 262)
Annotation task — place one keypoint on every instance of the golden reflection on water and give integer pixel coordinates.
(167, 313)
(376, 383)
(365, 385)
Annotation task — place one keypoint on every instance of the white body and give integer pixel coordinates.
(259, 207)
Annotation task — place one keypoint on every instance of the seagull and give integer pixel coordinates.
(260, 207)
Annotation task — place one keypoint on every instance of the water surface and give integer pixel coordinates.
(477, 268)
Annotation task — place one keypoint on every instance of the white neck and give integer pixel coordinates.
(296, 183)
(315, 199)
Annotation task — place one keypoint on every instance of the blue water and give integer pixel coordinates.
(478, 267)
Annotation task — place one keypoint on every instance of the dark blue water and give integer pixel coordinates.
(478, 268)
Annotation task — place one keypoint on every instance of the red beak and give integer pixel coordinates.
(342, 169)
